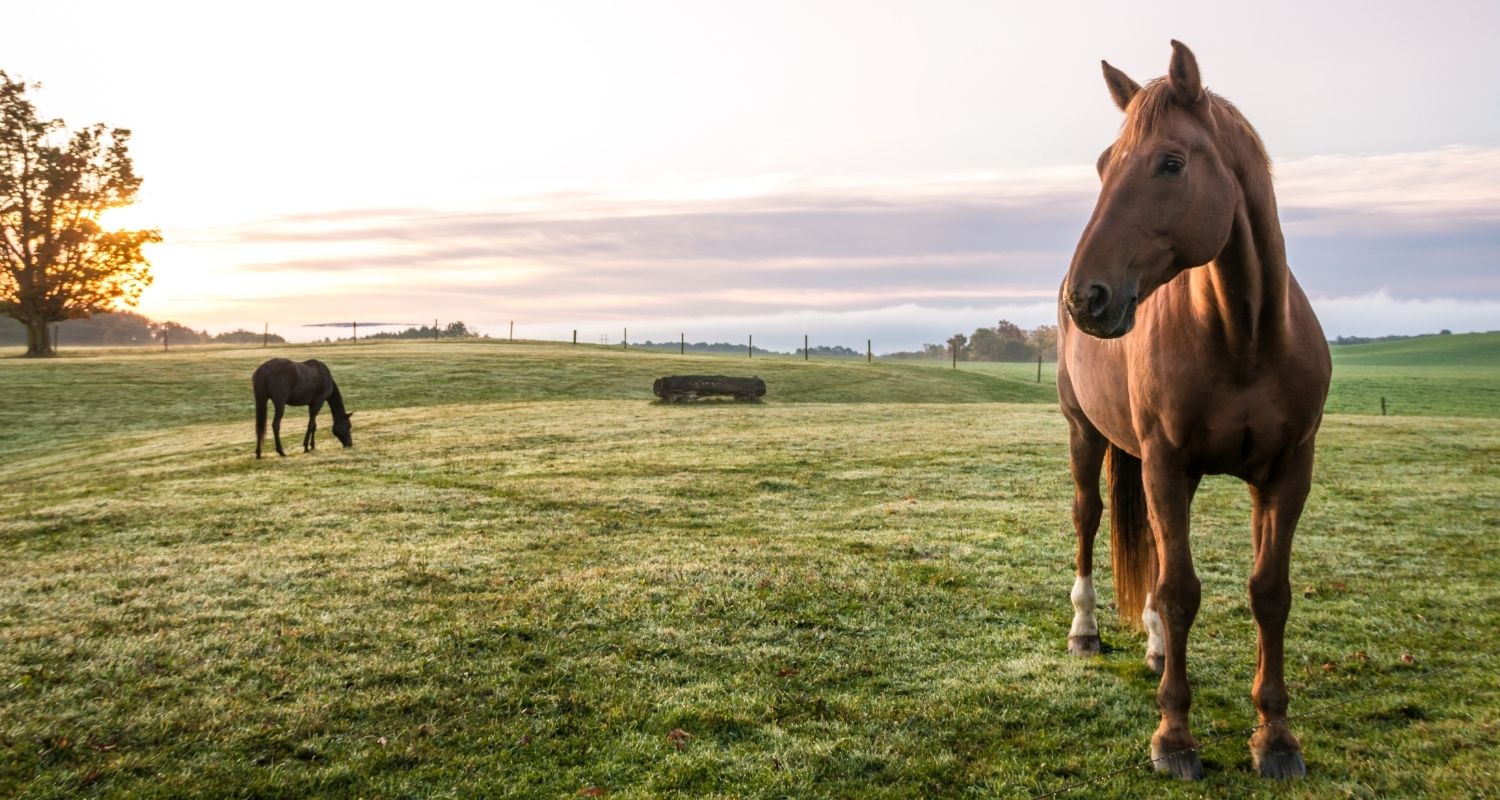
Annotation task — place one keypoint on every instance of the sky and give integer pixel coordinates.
(895, 171)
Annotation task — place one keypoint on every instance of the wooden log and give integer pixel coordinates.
(682, 388)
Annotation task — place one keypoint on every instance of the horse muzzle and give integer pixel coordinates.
(1101, 312)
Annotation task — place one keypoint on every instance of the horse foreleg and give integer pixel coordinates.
(276, 426)
(1169, 497)
(1277, 507)
(1085, 456)
(309, 439)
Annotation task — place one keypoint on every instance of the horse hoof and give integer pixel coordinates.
(1183, 765)
(1279, 764)
(1084, 646)
(1156, 662)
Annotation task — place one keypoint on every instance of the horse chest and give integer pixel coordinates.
(1236, 430)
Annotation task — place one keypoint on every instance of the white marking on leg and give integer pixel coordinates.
(1156, 643)
(1084, 621)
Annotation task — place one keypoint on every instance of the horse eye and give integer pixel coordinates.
(1172, 166)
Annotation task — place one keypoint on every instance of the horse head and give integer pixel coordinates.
(1168, 200)
(343, 429)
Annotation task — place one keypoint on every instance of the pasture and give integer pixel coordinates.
(528, 580)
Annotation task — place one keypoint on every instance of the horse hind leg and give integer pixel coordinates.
(276, 426)
(1277, 507)
(1086, 448)
(260, 423)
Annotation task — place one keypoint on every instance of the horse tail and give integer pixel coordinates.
(1132, 547)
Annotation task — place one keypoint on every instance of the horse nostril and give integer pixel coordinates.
(1098, 301)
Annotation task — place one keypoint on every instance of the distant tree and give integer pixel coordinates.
(58, 262)
(836, 350)
(707, 347)
(985, 345)
(958, 347)
(177, 333)
(242, 336)
(113, 328)
(1013, 346)
(1043, 342)
(454, 330)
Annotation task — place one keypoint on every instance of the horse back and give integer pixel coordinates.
(291, 382)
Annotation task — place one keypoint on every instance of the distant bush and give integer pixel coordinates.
(454, 330)
(242, 336)
(702, 347)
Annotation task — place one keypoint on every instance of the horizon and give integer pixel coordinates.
(841, 170)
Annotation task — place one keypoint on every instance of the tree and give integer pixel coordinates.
(177, 333)
(1043, 341)
(985, 344)
(958, 345)
(59, 263)
(1013, 345)
(242, 336)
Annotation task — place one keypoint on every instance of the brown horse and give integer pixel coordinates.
(1187, 349)
(309, 383)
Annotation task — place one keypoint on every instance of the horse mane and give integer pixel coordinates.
(1148, 112)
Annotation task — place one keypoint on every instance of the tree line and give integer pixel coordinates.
(125, 328)
(453, 330)
(1006, 341)
(820, 351)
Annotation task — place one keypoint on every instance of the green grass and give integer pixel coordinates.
(129, 390)
(527, 576)
(1456, 375)
(1461, 350)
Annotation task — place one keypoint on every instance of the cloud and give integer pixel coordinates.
(1396, 233)
(1379, 314)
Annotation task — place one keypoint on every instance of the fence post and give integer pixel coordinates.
(806, 356)
(1038, 367)
(265, 337)
(1382, 406)
(512, 330)
(869, 352)
(625, 339)
(750, 348)
(682, 344)
(575, 336)
(356, 330)
(955, 356)
(434, 330)
(56, 335)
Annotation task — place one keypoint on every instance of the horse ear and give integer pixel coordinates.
(1182, 76)
(1121, 87)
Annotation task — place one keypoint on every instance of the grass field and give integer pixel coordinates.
(528, 580)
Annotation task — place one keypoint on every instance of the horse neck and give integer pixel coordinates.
(336, 403)
(1242, 293)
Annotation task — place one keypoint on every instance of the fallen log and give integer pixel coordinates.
(682, 388)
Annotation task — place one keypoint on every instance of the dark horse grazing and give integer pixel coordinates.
(1187, 349)
(285, 382)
